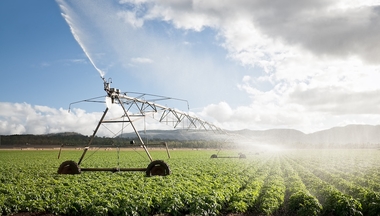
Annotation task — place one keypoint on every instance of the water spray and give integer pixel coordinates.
(74, 30)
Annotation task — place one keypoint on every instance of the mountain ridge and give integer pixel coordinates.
(343, 135)
(354, 136)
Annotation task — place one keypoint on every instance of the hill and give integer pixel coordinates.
(353, 136)
(347, 136)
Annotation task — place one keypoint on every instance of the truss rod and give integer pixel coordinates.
(179, 115)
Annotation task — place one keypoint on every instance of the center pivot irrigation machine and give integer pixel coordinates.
(143, 107)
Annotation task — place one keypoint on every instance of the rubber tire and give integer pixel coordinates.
(242, 156)
(158, 167)
(69, 167)
(214, 156)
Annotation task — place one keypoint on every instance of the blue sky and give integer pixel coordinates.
(309, 67)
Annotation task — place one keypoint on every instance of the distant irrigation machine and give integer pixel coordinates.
(241, 156)
(143, 107)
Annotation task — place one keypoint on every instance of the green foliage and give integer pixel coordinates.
(300, 201)
(273, 191)
(304, 204)
(272, 183)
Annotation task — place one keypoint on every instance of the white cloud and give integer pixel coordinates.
(79, 61)
(131, 18)
(23, 118)
(222, 112)
(334, 28)
(142, 60)
(320, 59)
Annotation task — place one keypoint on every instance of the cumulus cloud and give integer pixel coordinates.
(330, 31)
(23, 118)
(320, 60)
(337, 101)
(142, 60)
(335, 28)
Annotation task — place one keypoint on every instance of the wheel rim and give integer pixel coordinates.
(214, 156)
(158, 168)
(69, 167)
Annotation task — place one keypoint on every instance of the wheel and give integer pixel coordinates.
(69, 167)
(214, 156)
(157, 167)
(242, 156)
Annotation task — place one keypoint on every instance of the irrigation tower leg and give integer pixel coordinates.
(93, 136)
(136, 132)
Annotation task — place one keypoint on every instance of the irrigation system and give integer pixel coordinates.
(135, 107)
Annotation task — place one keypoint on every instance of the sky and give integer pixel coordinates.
(245, 64)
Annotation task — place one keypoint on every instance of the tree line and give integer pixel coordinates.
(78, 140)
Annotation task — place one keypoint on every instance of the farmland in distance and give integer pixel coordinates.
(266, 182)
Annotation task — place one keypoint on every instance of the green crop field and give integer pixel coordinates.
(287, 182)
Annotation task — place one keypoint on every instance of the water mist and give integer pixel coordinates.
(75, 30)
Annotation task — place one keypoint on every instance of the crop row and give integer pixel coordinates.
(332, 200)
(369, 199)
(246, 198)
(299, 199)
(272, 183)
